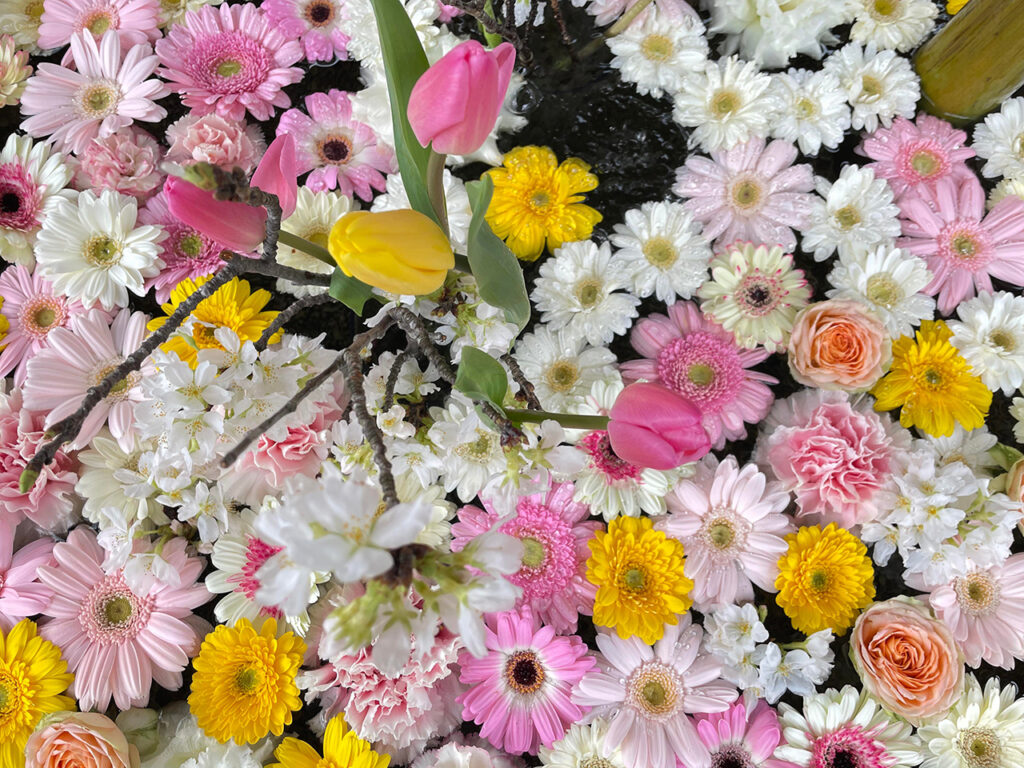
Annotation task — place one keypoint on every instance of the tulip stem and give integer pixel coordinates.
(435, 189)
(493, 39)
(301, 244)
(617, 28)
(570, 420)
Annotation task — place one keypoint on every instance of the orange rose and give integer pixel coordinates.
(84, 739)
(838, 344)
(907, 659)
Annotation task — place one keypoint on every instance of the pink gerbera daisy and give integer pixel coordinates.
(647, 693)
(117, 642)
(697, 358)
(230, 59)
(21, 594)
(520, 691)
(963, 246)
(554, 532)
(731, 524)
(317, 23)
(340, 151)
(743, 736)
(135, 21)
(909, 154)
(750, 192)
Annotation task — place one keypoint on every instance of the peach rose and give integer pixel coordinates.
(84, 739)
(838, 344)
(907, 659)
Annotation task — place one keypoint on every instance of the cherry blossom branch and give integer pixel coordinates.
(287, 314)
(525, 385)
(392, 382)
(352, 370)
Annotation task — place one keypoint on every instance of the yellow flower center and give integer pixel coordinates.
(660, 252)
(977, 593)
(533, 552)
(540, 200)
(883, 290)
(721, 533)
(190, 246)
(34, 10)
(588, 292)
(478, 450)
(848, 217)
(746, 194)
(933, 378)
(248, 680)
(97, 100)
(980, 748)
(805, 108)
(524, 673)
(725, 103)
(657, 48)
(8, 695)
(102, 251)
(203, 336)
(595, 762)
(818, 580)
(318, 237)
(700, 374)
(117, 611)
(98, 24)
(562, 375)
(871, 87)
(884, 8)
(924, 163)
(228, 68)
(634, 578)
(964, 246)
(44, 317)
(653, 689)
(1002, 339)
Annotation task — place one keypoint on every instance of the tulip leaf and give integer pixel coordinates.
(349, 291)
(496, 269)
(481, 377)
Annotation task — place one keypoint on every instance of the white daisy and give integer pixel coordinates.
(577, 288)
(990, 336)
(897, 24)
(857, 213)
(1017, 412)
(1000, 140)
(889, 281)
(93, 252)
(562, 366)
(20, 19)
(472, 451)
(880, 85)
(582, 745)
(657, 50)
(1004, 188)
(661, 245)
(969, 447)
(460, 214)
(813, 110)
(112, 478)
(726, 103)
(314, 216)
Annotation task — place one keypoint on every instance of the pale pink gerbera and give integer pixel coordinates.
(128, 162)
(104, 95)
(963, 246)
(21, 594)
(520, 691)
(750, 192)
(697, 358)
(230, 59)
(647, 694)
(135, 21)
(76, 359)
(554, 532)
(909, 154)
(744, 736)
(117, 642)
(732, 525)
(317, 23)
(340, 151)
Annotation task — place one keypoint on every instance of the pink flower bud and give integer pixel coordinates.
(237, 226)
(456, 102)
(652, 426)
(277, 173)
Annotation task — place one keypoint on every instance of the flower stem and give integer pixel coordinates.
(301, 244)
(570, 420)
(617, 28)
(435, 189)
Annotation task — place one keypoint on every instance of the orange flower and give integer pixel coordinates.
(838, 344)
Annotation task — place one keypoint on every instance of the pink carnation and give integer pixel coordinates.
(217, 140)
(127, 161)
(21, 594)
(317, 23)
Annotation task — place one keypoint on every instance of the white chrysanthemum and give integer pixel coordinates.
(562, 366)
(879, 85)
(112, 478)
(1017, 412)
(360, 25)
(662, 248)
(183, 744)
(990, 336)
(1004, 188)
(889, 281)
(726, 103)
(1000, 140)
(576, 290)
(20, 19)
(657, 51)
(472, 450)
(813, 110)
(93, 251)
(857, 214)
(582, 746)
(315, 214)
(173, 11)
(896, 24)
(460, 214)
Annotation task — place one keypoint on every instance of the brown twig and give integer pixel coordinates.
(287, 314)
(525, 385)
(352, 369)
(392, 382)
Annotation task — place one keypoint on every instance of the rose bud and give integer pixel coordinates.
(652, 426)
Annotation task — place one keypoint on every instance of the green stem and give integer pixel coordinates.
(617, 28)
(493, 40)
(435, 188)
(570, 420)
(301, 244)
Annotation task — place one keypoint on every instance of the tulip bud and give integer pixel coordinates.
(277, 173)
(237, 226)
(456, 102)
(652, 426)
(401, 251)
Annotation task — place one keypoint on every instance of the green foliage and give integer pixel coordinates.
(349, 291)
(481, 377)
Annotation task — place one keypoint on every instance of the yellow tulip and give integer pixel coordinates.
(401, 251)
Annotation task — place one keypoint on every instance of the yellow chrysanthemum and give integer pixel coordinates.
(342, 749)
(244, 685)
(934, 385)
(233, 306)
(825, 579)
(536, 200)
(639, 576)
(33, 675)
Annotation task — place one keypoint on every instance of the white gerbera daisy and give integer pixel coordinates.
(562, 366)
(661, 245)
(92, 250)
(658, 50)
(889, 281)
(582, 745)
(880, 85)
(315, 214)
(990, 336)
(576, 290)
(1017, 411)
(460, 214)
(896, 24)
(813, 110)
(857, 214)
(472, 450)
(1004, 188)
(726, 103)
(20, 19)
(1000, 140)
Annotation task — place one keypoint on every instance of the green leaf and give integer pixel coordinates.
(349, 291)
(481, 377)
(496, 269)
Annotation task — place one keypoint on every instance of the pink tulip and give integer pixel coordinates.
(277, 173)
(455, 103)
(652, 426)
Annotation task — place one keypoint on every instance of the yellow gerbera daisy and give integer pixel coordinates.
(536, 200)
(342, 748)
(825, 579)
(233, 306)
(639, 576)
(934, 385)
(33, 675)
(244, 685)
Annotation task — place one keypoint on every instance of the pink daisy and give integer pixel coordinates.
(750, 192)
(117, 642)
(554, 532)
(909, 154)
(21, 594)
(135, 21)
(647, 693)
(76, 359)
(963, 246)
(340, 151)
(96, 99)
(32, 311)
(731, 523)
(317, 23)
(127, 161)
(697, 358)
(743, 736)
(520, 691)
(230, 59)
